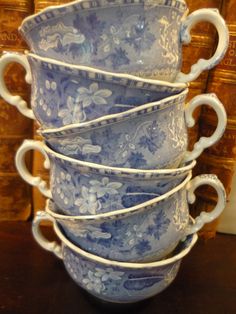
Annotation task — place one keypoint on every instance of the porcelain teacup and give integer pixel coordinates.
(150, 136)
(62, 93)
(141, 37)
(109, 280)
(143, 233)
(82, 188)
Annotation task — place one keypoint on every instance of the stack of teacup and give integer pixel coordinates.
(115, 140)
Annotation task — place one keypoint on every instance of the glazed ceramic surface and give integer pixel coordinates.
(144, 233)
(62, 94)
(80, 188)
(140, 37)
(109, 280)
(148, 137)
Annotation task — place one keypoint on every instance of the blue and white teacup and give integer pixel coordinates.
(147, 137)
(141, 37)
(82, 188)
(109, 280)
(62, 93)
(143, 233)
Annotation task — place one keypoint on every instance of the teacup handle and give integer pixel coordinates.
(208, 15)
(204, 142)
(204, 217)
(16, 101)
(51, 246)
(26, 146)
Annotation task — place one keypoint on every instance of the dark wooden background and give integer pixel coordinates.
(35, 281)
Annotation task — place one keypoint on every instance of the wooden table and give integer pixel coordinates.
(35, 281)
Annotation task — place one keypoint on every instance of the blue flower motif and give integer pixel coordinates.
(96, 26)
(112, 228)
(136, 160)
(92, 28)
(147, 143)
(151, 229)
(104, 187)
(161, 224)
(139, 36)
(154, 138)
(92, 95)
(108, 134)
(142, 247)
(118, 58)
(88, 202)
(117, 230)
(107, 145)
(93, 283)
(73, 113)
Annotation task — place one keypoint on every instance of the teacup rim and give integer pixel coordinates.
(102, 121)
(127, 265)
(104, 72)
(187, 167)
(63, 6)
(120, 212)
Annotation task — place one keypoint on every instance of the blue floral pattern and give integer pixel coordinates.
(161, 224)
(153, 139)
(147, 234)
(62, 95)
(119, 283)
(139, 37)
(103, 187)
(72, 113)
(88, 202)
(78, 190)
(96, 279)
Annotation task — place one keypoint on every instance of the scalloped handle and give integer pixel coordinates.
(207, 15)
(38, 182)
(205, 142)
(16, 101)
(204, 217)
(50, 246)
